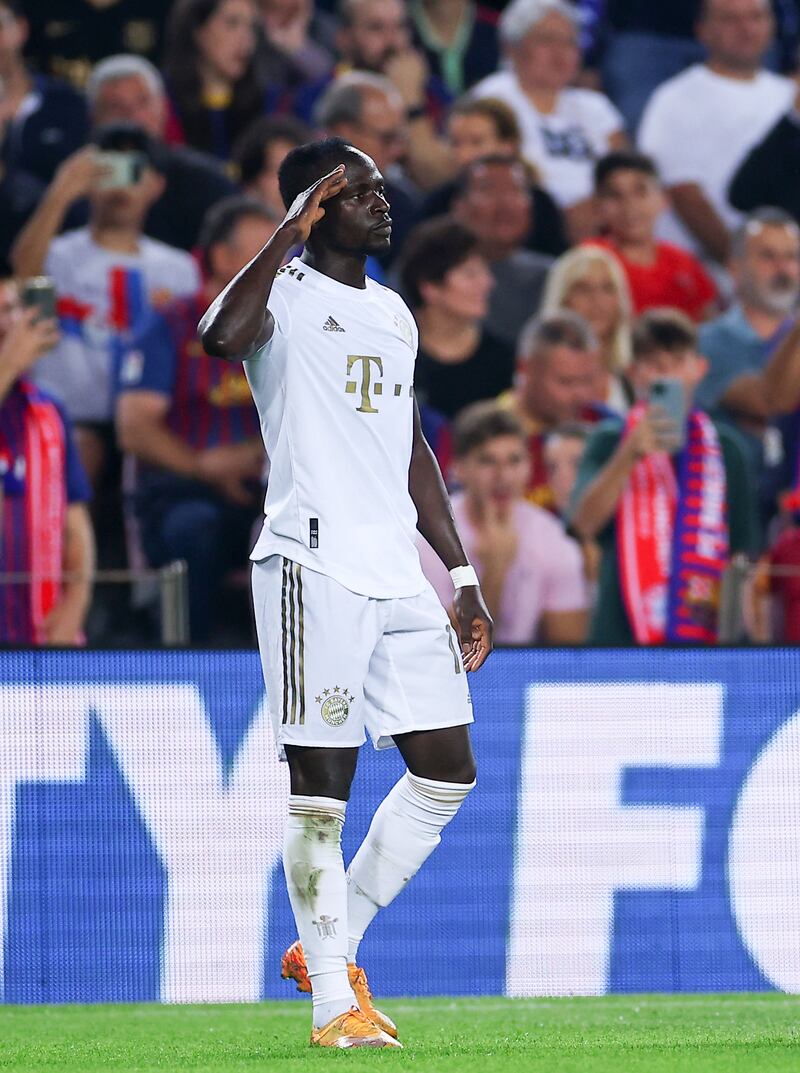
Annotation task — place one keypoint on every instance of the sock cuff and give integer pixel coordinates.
(304, 805)
(445, 792)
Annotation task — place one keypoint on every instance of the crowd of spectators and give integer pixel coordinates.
(596, 222)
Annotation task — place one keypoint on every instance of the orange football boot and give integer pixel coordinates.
(293, 967)
(351, 1029)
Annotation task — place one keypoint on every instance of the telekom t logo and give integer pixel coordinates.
(366, 360)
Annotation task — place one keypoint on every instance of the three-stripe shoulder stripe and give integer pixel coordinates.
(292, 644)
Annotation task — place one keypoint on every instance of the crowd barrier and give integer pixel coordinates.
(636, 827)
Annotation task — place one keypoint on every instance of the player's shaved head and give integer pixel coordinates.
(304, 165)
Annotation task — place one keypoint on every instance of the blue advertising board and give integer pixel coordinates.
(636, 827)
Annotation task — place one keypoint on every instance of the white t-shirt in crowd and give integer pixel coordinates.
(104, 299)
(333, 388)
(699, 126)
(564, 144)
(545, 575)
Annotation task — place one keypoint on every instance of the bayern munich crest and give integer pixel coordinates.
(335, 705)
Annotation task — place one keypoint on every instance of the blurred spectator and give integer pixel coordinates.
(769, 174)
(44, 524)
(128, 89)
(558, 369)
(446, 281)
(259, 153)
(44, 120)
(366, 110)
(214, 78)
(374, 36)
(738, 344)
(641, 45)
(563, 451)
(106, 276)
(479, 127)
(589, 281)
(306, 36)
(459, 38)
(190, 422)
(700, 125)
(69, 36)
(564, 129)
(637, 493)
(20, 193)
(493, 198)
(530, 571)
(659, 274)
(778, 577)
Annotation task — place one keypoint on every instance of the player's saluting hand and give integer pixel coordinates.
(306, 209)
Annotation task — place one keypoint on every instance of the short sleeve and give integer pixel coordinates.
(279, 308)
(150, 363)
(75, 479)
(566, 583)
(605, 117)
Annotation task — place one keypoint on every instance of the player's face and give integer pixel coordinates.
(357, 220)
(594, 297)
(496, 472)
(630, 203)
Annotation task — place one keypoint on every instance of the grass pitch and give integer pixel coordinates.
(619, 1034)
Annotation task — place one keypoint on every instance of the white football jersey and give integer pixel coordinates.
(333, 389)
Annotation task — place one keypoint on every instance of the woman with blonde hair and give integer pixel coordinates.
(589, 281)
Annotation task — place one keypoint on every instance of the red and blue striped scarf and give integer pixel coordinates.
(672, 538)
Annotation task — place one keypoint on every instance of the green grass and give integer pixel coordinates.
(620, 1034)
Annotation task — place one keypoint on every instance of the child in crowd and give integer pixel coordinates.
(630, 201)
(530, 571)
(669, 501)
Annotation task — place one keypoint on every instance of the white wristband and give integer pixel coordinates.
(463, 576)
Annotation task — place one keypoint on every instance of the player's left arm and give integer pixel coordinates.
(437, 525)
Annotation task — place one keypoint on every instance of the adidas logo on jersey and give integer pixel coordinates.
(330, 325)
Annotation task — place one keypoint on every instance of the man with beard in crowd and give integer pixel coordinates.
(738, 344)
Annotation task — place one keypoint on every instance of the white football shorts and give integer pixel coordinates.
(336, 663)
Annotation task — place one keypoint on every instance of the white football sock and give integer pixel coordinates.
(404, 832)
(312, 862)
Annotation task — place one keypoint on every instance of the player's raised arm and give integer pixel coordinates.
(238, 322)
(437, 525)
